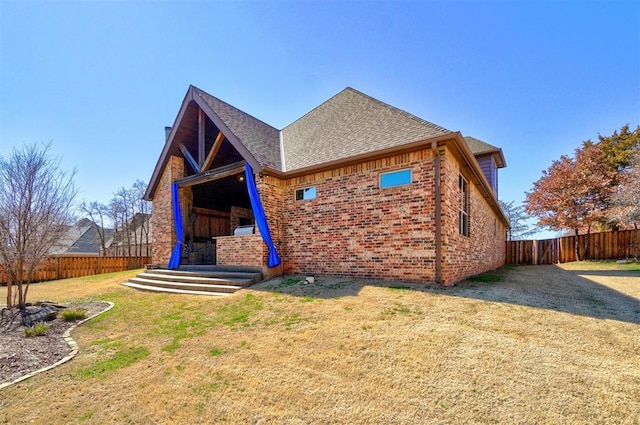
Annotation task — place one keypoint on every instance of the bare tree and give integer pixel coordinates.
(117, 214)
(97, 213)
(36, 197)
(143, 208)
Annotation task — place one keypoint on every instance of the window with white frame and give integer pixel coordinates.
(464, 206)
(395, 178)
(306, 193)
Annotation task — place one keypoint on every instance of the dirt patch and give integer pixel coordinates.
(20, 355)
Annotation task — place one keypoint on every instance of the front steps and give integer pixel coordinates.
(196, 280)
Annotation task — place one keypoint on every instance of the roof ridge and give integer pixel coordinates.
(402, 111)
(381, 103)
(200, 92)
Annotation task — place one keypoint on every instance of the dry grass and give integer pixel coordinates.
(544, 345)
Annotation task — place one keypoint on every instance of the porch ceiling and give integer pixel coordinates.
(221, 194)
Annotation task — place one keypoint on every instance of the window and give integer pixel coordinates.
(395, 178)
(306, 193)
(464, 206)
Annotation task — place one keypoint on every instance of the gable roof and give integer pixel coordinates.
(257, 142)
(347, 125)
(260, 139)
(478, 147)
(80, 238)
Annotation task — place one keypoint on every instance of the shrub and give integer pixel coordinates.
(39, 329)
(73, 315)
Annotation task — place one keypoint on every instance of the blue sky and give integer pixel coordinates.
(101, 79)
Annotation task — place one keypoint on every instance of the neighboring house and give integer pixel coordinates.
(81, 238)
(132, 239)
(354, 187)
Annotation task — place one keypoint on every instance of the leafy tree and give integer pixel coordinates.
(618, 149)
(36, 197)
(626, 200)
(616, 154)
(573, 193)
(518, 227)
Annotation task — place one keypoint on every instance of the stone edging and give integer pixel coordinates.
(70, 341)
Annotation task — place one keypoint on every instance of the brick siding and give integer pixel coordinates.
(355, 228)
(483, 249)
(164, 237)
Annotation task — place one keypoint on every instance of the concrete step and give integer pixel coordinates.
(203, 287)
(197, 279)
(219, 274)
(174, 291)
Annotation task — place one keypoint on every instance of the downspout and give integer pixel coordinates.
(438, 211)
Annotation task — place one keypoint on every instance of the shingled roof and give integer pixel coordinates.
(260, 139)
(478, 147)
(350, 124)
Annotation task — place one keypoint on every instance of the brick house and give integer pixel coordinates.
(355, 187)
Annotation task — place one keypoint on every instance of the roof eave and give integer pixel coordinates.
(454, 138)
(355, 159)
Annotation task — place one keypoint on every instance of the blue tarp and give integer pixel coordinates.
(174, 261)
(261, 219)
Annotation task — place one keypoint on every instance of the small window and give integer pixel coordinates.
(464, 206)
(306, 193)
(395, 178)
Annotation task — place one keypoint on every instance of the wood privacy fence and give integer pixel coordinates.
(52, 268)
(594, 246)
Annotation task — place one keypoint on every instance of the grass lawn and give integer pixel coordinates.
(527, 345)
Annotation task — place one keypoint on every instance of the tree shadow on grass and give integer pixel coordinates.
(544, 287)
(554, 288)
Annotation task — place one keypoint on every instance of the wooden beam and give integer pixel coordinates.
(215, 174)
(213, 152)
(189, 158)
(201, 131)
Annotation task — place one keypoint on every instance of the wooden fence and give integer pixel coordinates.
(63, 267)
(594, 246)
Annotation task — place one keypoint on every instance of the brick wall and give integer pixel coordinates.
(162, 214)
(247, 250)
(483, 249)
(271, 190)
(355, 228)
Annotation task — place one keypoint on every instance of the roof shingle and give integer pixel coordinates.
(350, 124)
(260, 139)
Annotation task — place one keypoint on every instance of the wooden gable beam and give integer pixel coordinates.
(213, 152)
(216, 174)
(201, 135)
(189, 158)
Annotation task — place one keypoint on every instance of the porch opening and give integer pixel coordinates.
(214, 209)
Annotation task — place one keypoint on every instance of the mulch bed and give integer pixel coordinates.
(20, 355)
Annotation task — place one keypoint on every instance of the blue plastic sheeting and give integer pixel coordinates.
(261, 219)
(174, 261)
